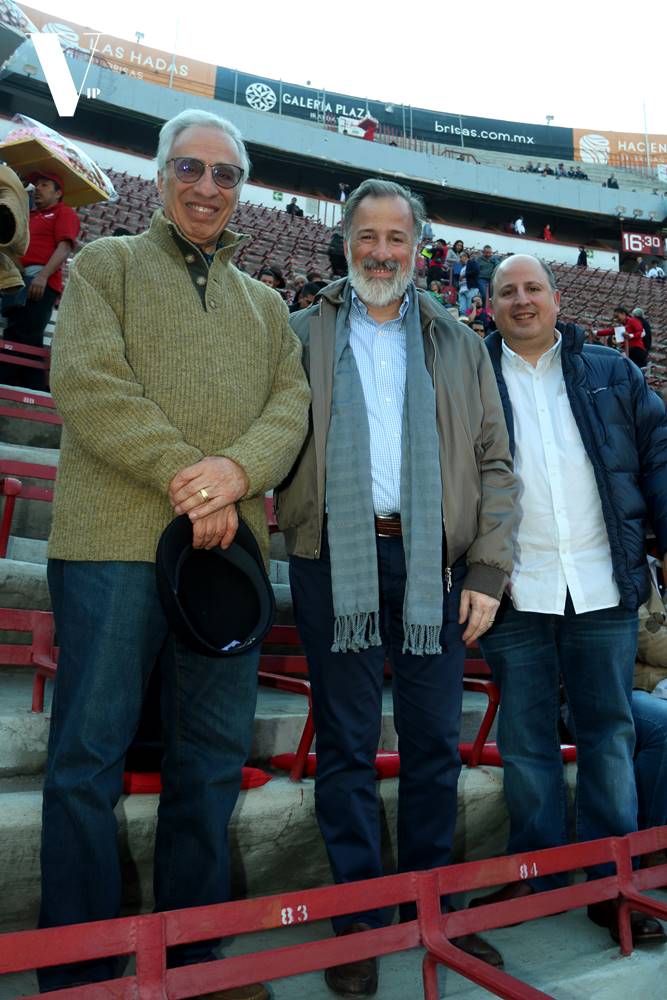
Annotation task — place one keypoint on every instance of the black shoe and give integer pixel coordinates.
(513, 890)
(476, 946)
(645, 930)
(355, 979)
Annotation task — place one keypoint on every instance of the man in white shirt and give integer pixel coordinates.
(589, 440)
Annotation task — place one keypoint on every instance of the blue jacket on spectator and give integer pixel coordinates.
(472, 274)
(623, 426)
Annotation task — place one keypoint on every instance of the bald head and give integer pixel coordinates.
(551, 278)
(525, 304)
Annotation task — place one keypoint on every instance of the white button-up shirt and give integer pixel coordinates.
(560, 542)
(379, 351)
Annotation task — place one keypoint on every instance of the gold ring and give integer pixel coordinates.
(203, 494)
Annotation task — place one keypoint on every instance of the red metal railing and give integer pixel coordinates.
(149, 936)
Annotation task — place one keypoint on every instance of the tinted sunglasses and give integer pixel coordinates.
(190, 170)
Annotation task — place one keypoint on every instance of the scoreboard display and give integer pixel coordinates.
(643, 243)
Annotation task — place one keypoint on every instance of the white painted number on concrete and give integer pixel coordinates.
(288, 916)
(526, 872)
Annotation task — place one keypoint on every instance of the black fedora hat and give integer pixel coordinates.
(219, 602)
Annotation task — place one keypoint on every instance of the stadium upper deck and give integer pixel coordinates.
(122, 107)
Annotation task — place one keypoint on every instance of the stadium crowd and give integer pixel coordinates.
(435, 489)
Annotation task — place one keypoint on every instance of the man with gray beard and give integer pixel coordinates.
(398, 519)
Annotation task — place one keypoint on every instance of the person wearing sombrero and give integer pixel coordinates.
(54, 228)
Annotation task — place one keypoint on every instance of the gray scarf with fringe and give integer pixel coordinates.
(351, 530)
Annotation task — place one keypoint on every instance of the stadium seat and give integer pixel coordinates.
(25, 355)
(12, 486)
(29, 403)
(287, 672)
(39, 652)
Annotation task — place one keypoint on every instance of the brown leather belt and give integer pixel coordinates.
(388, 526)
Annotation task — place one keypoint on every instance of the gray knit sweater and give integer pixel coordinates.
(159, 361)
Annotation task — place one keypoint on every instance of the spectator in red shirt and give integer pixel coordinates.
(54, 228)
(633, 343)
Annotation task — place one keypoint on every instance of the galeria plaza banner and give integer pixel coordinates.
(620, 149)
(335, 110)
(128, 58)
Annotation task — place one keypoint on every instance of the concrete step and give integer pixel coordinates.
(28, 432)
(279, 720)
(23, 586)
(274, 838)
(29, 550)
(23, 578)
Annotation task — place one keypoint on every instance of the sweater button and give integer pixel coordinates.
(189, 258)
(201, 280)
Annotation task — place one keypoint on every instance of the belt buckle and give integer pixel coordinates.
(390, 519)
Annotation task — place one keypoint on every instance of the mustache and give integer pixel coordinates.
(370, 264)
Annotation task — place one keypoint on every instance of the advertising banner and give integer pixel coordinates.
(620, 149)
(340, 110)
(121, 56)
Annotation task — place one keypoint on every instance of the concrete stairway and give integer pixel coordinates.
(275, 839)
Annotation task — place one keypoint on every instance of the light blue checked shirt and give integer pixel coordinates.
(379, 351)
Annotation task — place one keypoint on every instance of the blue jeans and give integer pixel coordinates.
(650, 715)
(483, 285)
(347, 711)
(594, 654)
(465, 299)
(111, 630)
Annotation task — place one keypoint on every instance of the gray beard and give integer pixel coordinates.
(378, 292)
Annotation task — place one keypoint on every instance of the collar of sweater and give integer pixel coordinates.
(169, 236)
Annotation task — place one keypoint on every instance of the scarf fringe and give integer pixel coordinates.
(355, 632)
(421, 640)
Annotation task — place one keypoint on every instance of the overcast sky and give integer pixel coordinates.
(582, 61)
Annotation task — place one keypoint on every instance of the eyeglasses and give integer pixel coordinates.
(190, 170)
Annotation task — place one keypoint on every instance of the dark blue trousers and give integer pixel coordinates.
(347, 709)
(111, 629)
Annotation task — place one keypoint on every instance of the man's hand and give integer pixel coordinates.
(207, 486)
(214, 529)
(479, 611)
(37, 286)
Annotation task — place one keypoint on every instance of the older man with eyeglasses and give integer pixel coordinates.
(181, 390)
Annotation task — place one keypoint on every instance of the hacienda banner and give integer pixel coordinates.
(620, 149)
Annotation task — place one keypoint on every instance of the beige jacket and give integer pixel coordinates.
(14, 232)
(478, 485)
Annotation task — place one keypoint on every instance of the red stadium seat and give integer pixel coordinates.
(12, 476)
(39, 652)
(279, 670)
(30, 400)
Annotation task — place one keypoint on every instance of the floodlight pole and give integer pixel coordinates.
(648, 153)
